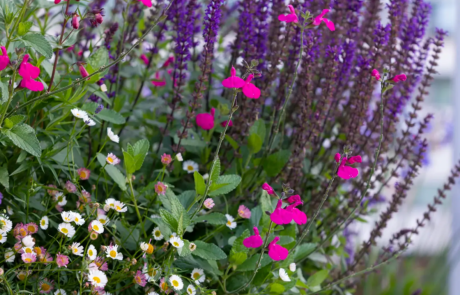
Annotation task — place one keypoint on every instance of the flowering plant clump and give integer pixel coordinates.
(206, 147)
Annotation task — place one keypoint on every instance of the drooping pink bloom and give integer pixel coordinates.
(254, 241)
(298, 216)
(157, 82)
(29, 257)
(251, 90)
(277, 252)
(289, 18)
(75, 22)
(140, 279)
(206, 120)
(28, 73)
(266, 187)
(166, 159)
(399, 78)
(244, 212)
(233, 81)
(144, 58)
(209, 203)
(294, 199)
(62, 260)
(375, 74)
(160, 188)
(347, 172)
(83, 71)
(98, 18)
(320, 18)
(57, 1)
(281, 216)
(168, 62)
(70, 187)
(80, 53)
(70, 48)
(147, 3)
(83, 173)
(4, 59)
(224, 123)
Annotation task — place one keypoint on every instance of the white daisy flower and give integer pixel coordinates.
(153, 293)
(110, 202)
(92, 252)
(120, 207)
(79, 113)
(97, 278)
(292, 267)
(67, 216)
(67, 229)
(2, 237)
(5, 224)
(173, 235)
(28, 241)
(179, 157)
(190, 166)
(60, 292)
(103, 88)
(112, 252)
(77, 249)
(112, 159)
(9, 255)
(29, 250)
(176, 282)
(90, 122)
(283, 275)
(44, 222)
(62, 201)
(191, 290)
(176, 242)
(103, 219)
(192, 247)
(206, 176)
(113, 137)
(78, 219)
(198, 275)
(157, 235)
(231, 224)
(97, 226)
(9, 210)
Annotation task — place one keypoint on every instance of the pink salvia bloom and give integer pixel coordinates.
(4, 59)
(375, 74)
(29, 257)
(57, 1)
(157, 82)
(144, 58)
(233, 81)
(168, 61)
(209, 203)
(320, 18)
(140, 278)
(294, 199)
(166, 159)
(98, 18)
(254, 241)
(298, 216)
(347, 172)
(281, 216)
(224, 123)
(244, 212)
(147, 3)
(251, 90)
(206, 120)
(276, 252)
(75, 22)
(28, 73)
(289, 18)
(399, 78)
(266, 187)
(354, 159)
(337, 157)
(83, 71)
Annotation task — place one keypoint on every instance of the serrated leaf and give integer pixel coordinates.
(141, 149)
(212, 218)
(111, 116)
(275, 162)
(318, 278)
(24, 137)
(24, 28)
(169, 219)
(4, 177)
(238, 246)
(215, 173)
(39, 43)
(254, 143)
(130, 163)
(4, 89)
(113, 172)
(98, 59)
(232, 182)
(208, 251)
(200, 186)
(185, 250)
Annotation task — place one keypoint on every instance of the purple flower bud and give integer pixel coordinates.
(99, 109)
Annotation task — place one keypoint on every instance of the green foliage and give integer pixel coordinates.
(23, 136)
(208, 251)
(275, 162)
(39, 43)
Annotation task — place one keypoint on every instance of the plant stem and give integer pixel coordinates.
(135, 205)
(10, 98)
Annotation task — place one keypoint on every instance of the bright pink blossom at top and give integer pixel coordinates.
(399, 78)
(224, 123)
(347, 172)
(277, 252)
(57, 1)
(251, 90)
(28, 73)
(244, 212)
(294, 199)
(4, 59)
(266, 187)
(298, 216)
(289, 18)
(147, 3)
(254, 241)
(233, 81)
(206, 120)
(375, 74)
(144, 58)
(166, 159)
(320, 18)
(280, 215)
(157, 82)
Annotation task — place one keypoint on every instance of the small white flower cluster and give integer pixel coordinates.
(118, 206)
(83, 115)
(5, 226)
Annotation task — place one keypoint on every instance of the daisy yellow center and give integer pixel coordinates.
(164, 286)
(46, 287)
(28, 260)
(2, 222)
(152, 272)
(190, 167)
(150, 249)
(95, 227)
(60, 199)
(176, 244)
(160, 188)
(138, 279)
(31, 228)
(192, 247)
(67, 219)
(175, 283)
(90, 252)
(21, 276)
(22, 232)
(38, 250)
(118, 207)
(98, 264)
(82, 174)
(110, 159)
(43, 222)
(229, 222)
(28, 250)
(97, 280)
(1, 236)
(102, 221)
(113, 253)
(75, 250)
(65, 230)
(196, 276)
(77, 219)
(157, 233)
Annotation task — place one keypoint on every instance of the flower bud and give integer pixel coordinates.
(98, 18)
(83, 71)
(75, 22)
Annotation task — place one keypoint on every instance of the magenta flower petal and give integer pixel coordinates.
(233, 81)
(206, 120)
(266, 187)
(355, 159)
(347, 172)
(32, 85)
(375, 74)
(147, 3)
(329, 24)
(254, 241)
(4, 59)
(299, 216)
(251, 90)
(277, 252)
(281, 216)
(289, 18)
(224, 123)
(294, 199)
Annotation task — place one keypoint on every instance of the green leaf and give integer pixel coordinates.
(98, 59)
(232, 182)
(24, 137)
(238, 246)
(24, 28)
(208, 251)
(39, 43)
(275, 162)
(111, 116)
(5, 93)
(72, 39)
(277, 288)
(4, 180)
(250, 264)
(178, 211)
(169, 219)
(318, 278)
(200, 186)
(185, 250)
(238, 257)
(232, 142)
(215, 171)
(141, 149)
(113, 172)
(130, 163)
(212, 218)
(304, 250)
(254, 143)
(258, 128)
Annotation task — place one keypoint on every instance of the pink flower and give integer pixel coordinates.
(206, 120)
(233, 81)
(289, 18)
(83, 173)
(29, 257)
(46, 286)
(244, 212)
(70, 48)
(147, 3)
(347, 172)
(320, 18)
(140, 279)
(83, 71)
(62, 260)
(57, 1)
(75, 23)
(209, 203)
(168, 62)
(28, 73)
(399, 78)
(254, 241)
(280, 215)
(157, 82)
(375, 74)
(251, 90)
(224, 123)
(70, 187)
(80, 53)
(276, 252)
(266, 187)
(4, 59)
(144, 58)
(166, 159)
(160, 188)
(101, 264)
(98, 18)
(298, 216)
(294, 199)
(32, 228)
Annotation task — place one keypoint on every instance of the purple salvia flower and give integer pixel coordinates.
(99, 109)
(1, 198)
(261, 32)
(211, 24)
